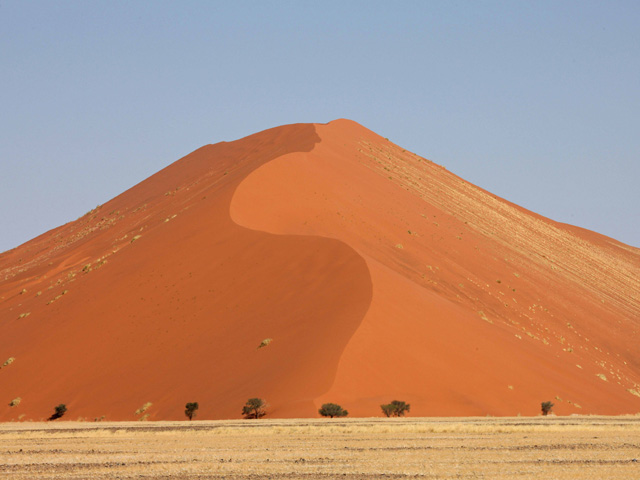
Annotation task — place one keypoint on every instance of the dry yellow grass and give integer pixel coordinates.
(490, 448)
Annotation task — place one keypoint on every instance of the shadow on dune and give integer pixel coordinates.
(179, 313)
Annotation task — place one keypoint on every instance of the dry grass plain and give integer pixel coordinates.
(586, 447)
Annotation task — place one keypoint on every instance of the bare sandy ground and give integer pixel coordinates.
(585, 447)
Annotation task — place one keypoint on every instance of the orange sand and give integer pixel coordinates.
(378, 275)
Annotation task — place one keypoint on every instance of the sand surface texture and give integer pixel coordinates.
(559, 448)
(377, 275)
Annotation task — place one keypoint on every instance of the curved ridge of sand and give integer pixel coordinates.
(176, 307)
(377, 274)
(465, 343)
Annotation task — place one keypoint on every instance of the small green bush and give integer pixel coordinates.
(254, 408)
(332, 410)
(546, 407)
(60, 410)
(396, 408)
(190, 409)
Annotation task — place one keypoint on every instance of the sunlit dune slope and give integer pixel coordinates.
(375, 273)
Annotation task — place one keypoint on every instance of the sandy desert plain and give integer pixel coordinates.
(584, 447)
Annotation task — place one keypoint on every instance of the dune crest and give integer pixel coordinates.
(375, 274)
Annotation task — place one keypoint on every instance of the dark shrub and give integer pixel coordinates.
(60, 410)
(332, 410)
(396, 408)
(254, 408)
(190, 409)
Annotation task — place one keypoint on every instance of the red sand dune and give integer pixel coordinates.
(377, 274)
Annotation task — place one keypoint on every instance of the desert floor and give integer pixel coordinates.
(493, 448)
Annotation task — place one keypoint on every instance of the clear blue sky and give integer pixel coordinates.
(537, 102)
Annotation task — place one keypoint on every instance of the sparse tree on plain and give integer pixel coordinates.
(60, 410)
(190, 409)
(254, 408)
(387, 409)
(332, 410)
(396, 408)
(546, 407)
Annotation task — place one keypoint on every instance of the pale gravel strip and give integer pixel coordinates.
(495, 448)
